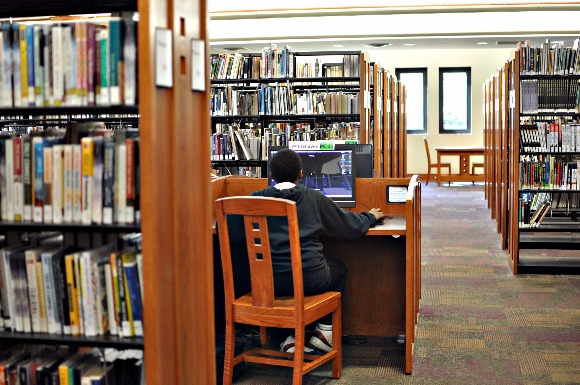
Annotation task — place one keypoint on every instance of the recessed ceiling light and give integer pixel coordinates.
(482, 43)
(378, 45)
(338, 46)
(409, 44)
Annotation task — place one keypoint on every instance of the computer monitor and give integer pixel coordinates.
(332, 172)
(363, 155)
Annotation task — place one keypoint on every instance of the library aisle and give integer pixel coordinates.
(479, 324)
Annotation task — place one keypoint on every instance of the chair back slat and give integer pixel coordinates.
(260, 260)
(256, 210)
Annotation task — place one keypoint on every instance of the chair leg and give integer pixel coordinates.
(299, 343)
(337, 342)
(428, 175)
(230, 342)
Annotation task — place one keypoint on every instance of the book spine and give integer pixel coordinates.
(33, 291)
(16, 79)
(41, 296)
(125, 330)
(68, 184)
(10, 179)
(91, 64)
(62, 293)
(47, 194)
(111, 309)
(115, 62)
(120, 182)
(108, 182)
(23, 41)
(39, 43)
(134, 294)
(130, 205)
(30, 64)
(129, 63)
(72, 291)
(57, 183)
(104, 97)
(18, 185)
(38, 179)
(6, 95)
(88, 286)
(27, 177)
(76, 174)
(98, 160)
(49, 293)
(48, 69)
(58, 90)
(3, 185)
(87, 179)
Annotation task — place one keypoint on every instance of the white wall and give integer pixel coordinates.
(483, 62)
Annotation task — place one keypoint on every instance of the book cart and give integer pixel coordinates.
(178, 311)
(332, 95)
(542, 152)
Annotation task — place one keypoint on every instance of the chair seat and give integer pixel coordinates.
(315, 306)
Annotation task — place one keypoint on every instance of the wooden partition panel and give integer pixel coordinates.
(176, 201)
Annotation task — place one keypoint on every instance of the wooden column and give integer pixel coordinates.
(176, 202)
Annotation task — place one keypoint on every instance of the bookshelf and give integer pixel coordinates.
(543, 152)
(296, 96)
(179, 307)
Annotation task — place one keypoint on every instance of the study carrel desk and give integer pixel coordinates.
(383, 286)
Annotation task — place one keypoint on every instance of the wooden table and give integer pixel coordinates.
(464, 154)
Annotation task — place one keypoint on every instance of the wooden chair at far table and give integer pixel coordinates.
(260, 307)
(430, 165)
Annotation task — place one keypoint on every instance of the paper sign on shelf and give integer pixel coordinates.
(317, 145)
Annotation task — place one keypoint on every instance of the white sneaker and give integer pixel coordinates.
(288, 346)
(322, 338)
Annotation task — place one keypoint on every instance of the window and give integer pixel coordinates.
(415, 81)
(455, 100)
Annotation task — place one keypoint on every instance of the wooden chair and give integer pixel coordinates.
(260, 307)
(474, 166)
(430, 165)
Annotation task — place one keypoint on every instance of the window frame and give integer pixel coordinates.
(467, 71)
(421, 70)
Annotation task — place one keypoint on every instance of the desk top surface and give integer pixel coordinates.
(460, 148)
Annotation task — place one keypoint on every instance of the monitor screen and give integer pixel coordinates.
(332, 172)
(363, 156)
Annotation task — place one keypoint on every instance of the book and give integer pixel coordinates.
(110, 292)
(38, 179)
(27, 177)
(103, 98)
(87, 146)
(120, 176)
(6, 86)
(72, 291)
(3, 180)
(9, 175)
(93, 290)
(68, 369)
(33, 260)
(9, 288)
(67, 193)
(97, 189)
(123, 322)
(16, 276)
(133, 292)
(47, 184)
(76, 183)
(108, 181)
(115, 61)
(130, 184)
(129, 62)
(57, 183)
(17, 182)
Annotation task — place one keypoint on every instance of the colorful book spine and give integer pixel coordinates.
(38, 179)
(115, 61)
(87, 179)
(108, 181)
(27, 177)
(18, 184)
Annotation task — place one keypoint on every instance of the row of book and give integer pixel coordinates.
(80, 63)
(92, 181)
(549, 59)
(249, 171)
(561, 95)
(231, 142)
(529, 216)
(50, 365)
(281, 100)
(274, 63)
(64, 290)
(549, 172)
(550, 136)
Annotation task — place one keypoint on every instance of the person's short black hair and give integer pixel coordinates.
(285, 166)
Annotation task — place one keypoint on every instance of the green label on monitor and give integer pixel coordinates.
(351, 142)
(326, 146)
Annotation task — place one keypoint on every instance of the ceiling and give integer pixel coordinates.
(402, 25)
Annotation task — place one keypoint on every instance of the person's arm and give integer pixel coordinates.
(340, 223)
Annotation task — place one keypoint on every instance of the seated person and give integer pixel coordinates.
(317, 215)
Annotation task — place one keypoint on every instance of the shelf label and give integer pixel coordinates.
(512, 99)
(324, 145)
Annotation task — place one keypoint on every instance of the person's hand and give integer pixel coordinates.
(378, 213)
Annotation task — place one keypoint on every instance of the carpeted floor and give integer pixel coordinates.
(478, 323)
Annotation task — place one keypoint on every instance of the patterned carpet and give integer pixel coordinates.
(478, 323)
